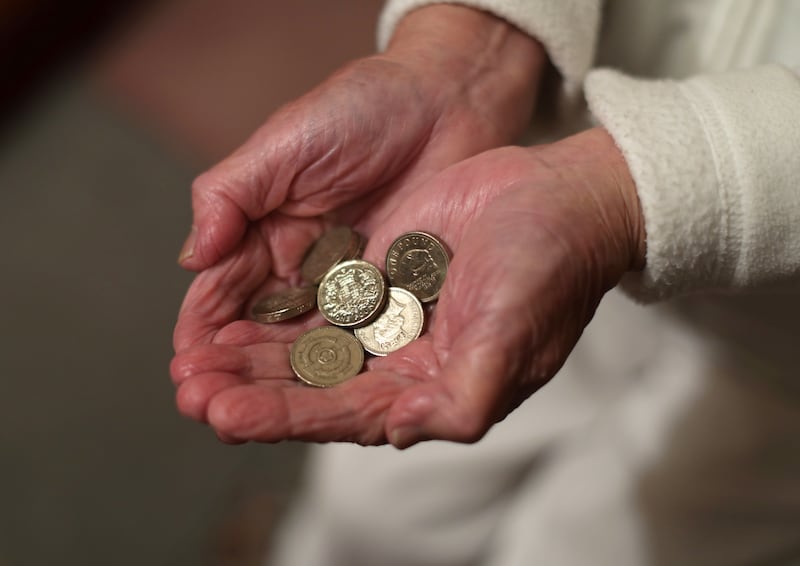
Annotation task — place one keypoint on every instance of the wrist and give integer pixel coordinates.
(473, 54)
(603, 182)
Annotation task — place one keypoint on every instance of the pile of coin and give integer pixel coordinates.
(353, 294)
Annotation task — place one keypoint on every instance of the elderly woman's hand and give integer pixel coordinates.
(538, 234)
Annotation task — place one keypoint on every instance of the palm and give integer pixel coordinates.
(513, 237)
(348, 152)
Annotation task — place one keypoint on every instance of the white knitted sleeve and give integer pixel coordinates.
(716, 161)
(567, 28)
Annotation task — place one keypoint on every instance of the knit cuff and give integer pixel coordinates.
(716, 167)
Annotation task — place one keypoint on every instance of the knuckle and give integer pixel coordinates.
(220, 187)
(190, 404)
(209, 187)
(468, 428)
(223, 417)
(204, 183)
(179, 369)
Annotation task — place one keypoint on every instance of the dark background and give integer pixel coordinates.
(107, 112)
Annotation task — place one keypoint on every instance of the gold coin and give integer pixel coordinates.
(399, 324)
(326, 356)
(336, 245)
(417, 262)
(357, 247)
(285, 304)
(352, 294)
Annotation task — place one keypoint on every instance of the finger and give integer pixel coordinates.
(217, 295)
(207, 358)
(353, 411)
(231, 440)
(194, 394)
(288, 239)
(312, 156)
(244, 332)
(353, 134)
(257, 361)
(244, 187)
(268, 259)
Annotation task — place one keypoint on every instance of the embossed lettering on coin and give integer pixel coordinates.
(352, 294)
(326, 356)
(417, 262)
(399, 324)
(285, 304)
(337, 244)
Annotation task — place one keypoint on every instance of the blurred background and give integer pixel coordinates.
(108, 110)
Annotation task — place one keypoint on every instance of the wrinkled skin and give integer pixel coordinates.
(454, 82)
(538, 236)
(386, 145)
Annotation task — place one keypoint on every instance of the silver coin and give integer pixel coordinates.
(418, 262)
(399, 324)
(352, 294)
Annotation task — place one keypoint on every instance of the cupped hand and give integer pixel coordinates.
(453, 82)
(538, 236)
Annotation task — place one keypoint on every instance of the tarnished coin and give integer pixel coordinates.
(326, 356)
(285, 304)
(417, 262)
(352, 294)
(358, 245)
(399, 324)
(336, 245)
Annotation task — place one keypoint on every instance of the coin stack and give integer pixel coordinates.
(353, 294)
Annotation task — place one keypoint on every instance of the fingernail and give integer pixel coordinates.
(187, 250)
(405, 436)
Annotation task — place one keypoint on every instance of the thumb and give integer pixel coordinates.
(224, 200)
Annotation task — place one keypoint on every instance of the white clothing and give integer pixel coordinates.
(568, 28)
(672, 434)
(701, 151)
